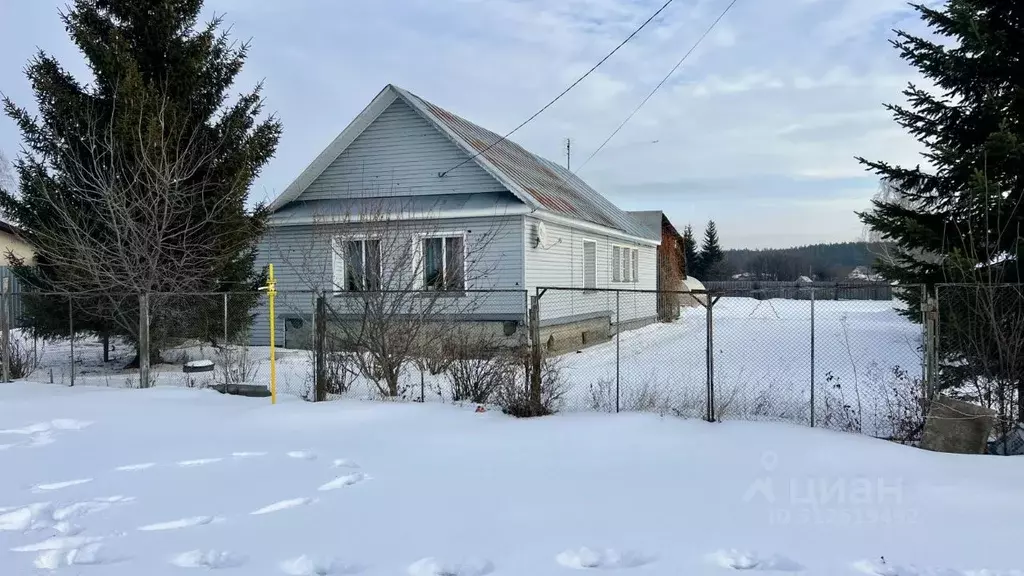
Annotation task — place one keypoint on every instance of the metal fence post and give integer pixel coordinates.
(143, 347)
(71, 329)
(320, 349)
(710, 362)
(924, 339)
(225, 319)
(812, 358)
(618, 330)
(423, 376)
(535, 352)
(5, 326)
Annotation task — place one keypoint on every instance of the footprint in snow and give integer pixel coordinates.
(198, 462)
(342, 481)
(42, 515)
(435, 567)
(344, 463)
(93, 554)
(211, 559)
(317, 566)
(59, 485)
(59, 543)
(302, 455)
(43, 433)
(283, 505)
(182, 523)
(79, 509)
(743, 560)
(607, 559)
(248, 454)
(135, 467)
(882, 568)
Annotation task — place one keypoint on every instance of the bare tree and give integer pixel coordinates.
(135, 215)
(399, 280)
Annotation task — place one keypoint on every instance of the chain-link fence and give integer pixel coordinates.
(468, 345)
(55, 338)
(851, 364)
(980, 335)
(193, 340)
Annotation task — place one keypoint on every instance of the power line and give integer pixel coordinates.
(564, 92)
(663, 80)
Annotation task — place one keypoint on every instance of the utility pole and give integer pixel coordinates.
(568, 154)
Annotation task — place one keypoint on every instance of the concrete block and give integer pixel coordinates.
(957, 427)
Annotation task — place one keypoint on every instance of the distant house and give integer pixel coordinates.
(11, 242)
(476, 211)
(863, 274)
(671, 263)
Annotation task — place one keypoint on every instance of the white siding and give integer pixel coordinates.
(560, 265)
(400, 154)
(302, 259)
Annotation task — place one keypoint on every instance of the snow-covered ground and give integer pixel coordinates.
(867, 366)
(170, 481)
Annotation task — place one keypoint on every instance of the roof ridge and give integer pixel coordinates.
(545, 184)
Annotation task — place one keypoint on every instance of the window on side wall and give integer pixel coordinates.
(616, 264)
(356, 265)
(636, 265)
(589, 265)
(444, 263)
(627, 268)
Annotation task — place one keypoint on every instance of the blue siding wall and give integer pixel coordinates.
(399, 154)
(302, 258)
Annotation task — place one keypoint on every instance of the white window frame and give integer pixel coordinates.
(583, 256)
(340, 267)
(419, 264)
(625, 269)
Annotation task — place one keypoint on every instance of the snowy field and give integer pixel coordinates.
(867, 366)
(171, 481)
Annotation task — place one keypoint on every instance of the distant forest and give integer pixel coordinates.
(827, 262)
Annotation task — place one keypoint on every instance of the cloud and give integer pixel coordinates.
(786, 92)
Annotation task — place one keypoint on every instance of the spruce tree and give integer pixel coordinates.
(711, 256)
(953, 218)
(690, 255)
(959, 218)
(155, 129)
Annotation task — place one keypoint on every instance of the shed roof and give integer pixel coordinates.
(536, 181)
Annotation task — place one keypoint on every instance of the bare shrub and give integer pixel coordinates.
(640, 398)
(838, 413)
(436, 355)
(237, 365)
(902, 410)
(514, 398)
(23, 359)
(341, 371)
(477, 364)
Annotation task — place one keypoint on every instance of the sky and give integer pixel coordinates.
(758, 130)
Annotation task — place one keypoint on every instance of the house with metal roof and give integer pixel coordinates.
(465, 211)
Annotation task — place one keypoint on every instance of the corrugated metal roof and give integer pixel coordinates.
(651, 221)
(549, 185)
